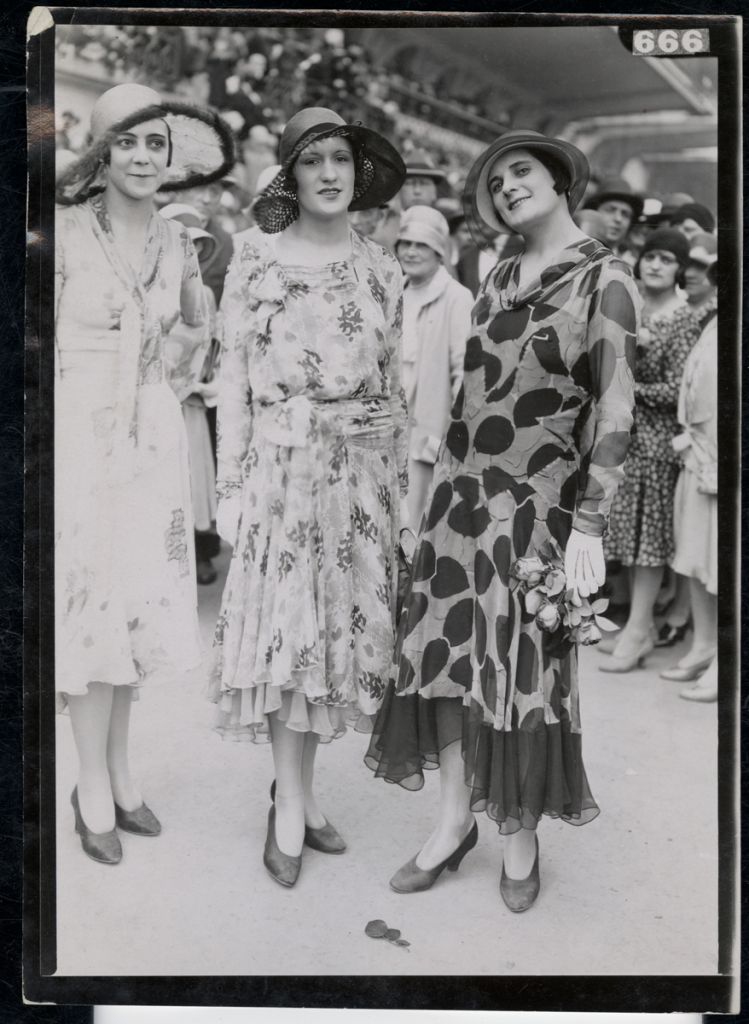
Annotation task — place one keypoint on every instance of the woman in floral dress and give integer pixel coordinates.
(642, 530)
(532, 458)
(126, 606)
(311, 462)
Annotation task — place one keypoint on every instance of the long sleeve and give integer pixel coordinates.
(398, 405)
(679, 339)
(611, 341)
(235, 396)
(193, 306)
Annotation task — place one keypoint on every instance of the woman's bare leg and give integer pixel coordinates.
(90, 717)
(124, 790)
(519, 853)
(645, 584)
(312, 814)
(705, 616)
(455, 810)
(288, 753)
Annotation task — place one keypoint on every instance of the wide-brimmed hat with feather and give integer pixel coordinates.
(201, 145)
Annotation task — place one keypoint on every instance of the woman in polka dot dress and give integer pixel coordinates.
(533, 455)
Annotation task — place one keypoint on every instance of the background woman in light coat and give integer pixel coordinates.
(436, 325)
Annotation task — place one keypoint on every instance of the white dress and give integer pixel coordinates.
(125, 591)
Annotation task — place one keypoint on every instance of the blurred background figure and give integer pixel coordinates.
(641, 525)
(191, 352)
(670, 203)
(696, 508)
(620, 207)
(206, 200)
(693, 219)
(422, 179)
(258, 151)
(436, 325)
(264, 179)
(699, 277)
(592, 223)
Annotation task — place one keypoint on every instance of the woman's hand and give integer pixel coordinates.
(227, 518)
(584, 564)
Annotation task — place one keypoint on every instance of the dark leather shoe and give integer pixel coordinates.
(411, 878)
(520, 893)
(669, 636)
(325, 839)
(141, 822)
(284, 868)
(104, 847)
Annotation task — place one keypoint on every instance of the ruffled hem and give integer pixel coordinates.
(242, 714)
(156, 674)
(515, 776)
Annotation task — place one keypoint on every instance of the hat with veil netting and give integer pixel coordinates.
(201, 145)
(380, 171)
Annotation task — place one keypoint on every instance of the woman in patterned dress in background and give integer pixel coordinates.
(533, 455)
(642, 516)
(311, 460)
(126, 601)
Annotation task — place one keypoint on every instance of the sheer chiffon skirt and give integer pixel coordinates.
(515, 776)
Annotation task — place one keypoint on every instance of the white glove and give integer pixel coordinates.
(584, 564)
(227, 518)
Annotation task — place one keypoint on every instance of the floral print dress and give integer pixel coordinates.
(126, 597)
(536, 446)
(312, 438)
(642, 516)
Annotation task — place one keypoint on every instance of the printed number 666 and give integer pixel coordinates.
(669, 40)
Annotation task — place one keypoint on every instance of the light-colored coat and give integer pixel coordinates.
(443, 325)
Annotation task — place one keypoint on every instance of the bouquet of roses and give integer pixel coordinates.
(542, 583)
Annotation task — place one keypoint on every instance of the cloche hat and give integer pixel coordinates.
(479, 209)
(201, 146)
(669, 240)
(380, 171)
(426, 225)
(703, 249)
(696, 212)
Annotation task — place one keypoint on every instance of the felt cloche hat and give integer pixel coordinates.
(481, 217)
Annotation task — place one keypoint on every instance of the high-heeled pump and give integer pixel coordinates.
(520, 893)
(326, 839)
(140, 822)
(411, 878)
(281, 866)
(104, 847)
(686, 673)
(621, 663)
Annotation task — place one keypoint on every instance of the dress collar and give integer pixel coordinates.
(569, 259)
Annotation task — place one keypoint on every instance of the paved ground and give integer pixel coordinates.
(634, 892)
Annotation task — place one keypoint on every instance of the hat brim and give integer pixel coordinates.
(481, 217)
(275, 208)
(432, 173)
(636, 202)
(202, 151)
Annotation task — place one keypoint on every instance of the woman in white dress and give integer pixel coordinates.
(126, 605)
